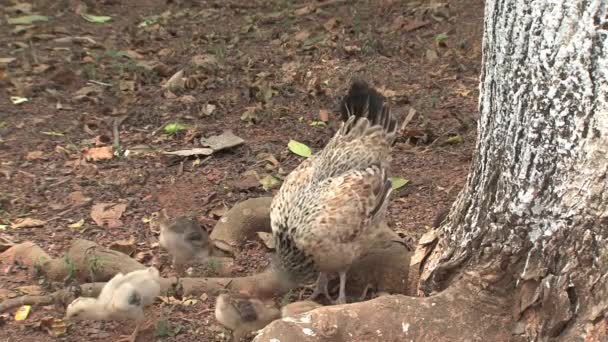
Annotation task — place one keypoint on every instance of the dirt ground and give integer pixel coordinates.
(267, 70)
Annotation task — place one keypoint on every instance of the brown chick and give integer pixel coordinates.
(184, 239)
(297, 308)
(243, 314)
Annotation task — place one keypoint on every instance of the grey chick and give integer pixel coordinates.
(297, 308)
(243, 314)
(184, 239)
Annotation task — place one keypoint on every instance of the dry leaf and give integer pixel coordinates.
(125, 246)
(33, 290)
(324, 115)
(54, 326)
(267, 239)
(98, 153)
(108, 214)
(22, 312)
(34, 155)
(28, 223)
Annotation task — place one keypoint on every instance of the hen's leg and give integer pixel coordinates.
(133, 336)
(320, 287)
(342, 295)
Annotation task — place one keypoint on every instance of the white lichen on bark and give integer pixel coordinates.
(542, 152)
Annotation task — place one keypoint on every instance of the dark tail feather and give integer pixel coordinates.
(365, 101)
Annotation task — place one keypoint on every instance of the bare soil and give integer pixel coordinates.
(261, 57)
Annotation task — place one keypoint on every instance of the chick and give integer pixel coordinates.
(328, 210)
(184, 239)
(243, 314)
(297, 308)
(124, 297)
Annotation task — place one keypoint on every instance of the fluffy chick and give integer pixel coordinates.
(328, 210)
(184, 239)
(124, 297)
(243, 314)
(297, 308)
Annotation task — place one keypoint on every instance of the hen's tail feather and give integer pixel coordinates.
(363, 101)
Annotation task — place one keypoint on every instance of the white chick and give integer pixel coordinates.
(184, 239)
(124, 297)
(243, 314)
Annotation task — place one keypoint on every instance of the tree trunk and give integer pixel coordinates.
(523, 253)
(531, 220)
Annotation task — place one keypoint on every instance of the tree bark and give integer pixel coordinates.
(534, 209)
(529, 227)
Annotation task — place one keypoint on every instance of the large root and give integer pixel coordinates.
(241, 223)
(461, 313)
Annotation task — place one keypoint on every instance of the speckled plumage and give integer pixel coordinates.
(326, 213)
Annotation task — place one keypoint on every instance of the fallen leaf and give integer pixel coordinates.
(200, 151)
(22, 312)
(54, 326)
(250, 115)
(398, 182)
(98, 19)
(318, 123)
(77, 224)
(267, 239)
(174, 127)
(269, 182)
(124, 246)
(34, 155)
(330, 24)
(223, 141)
(7, 60)
(324, 115)
(176, 82)
(208, 109)
(247, 182)
(98, 153)
(108, 214)
(301, 36)
(28, 223)
(27, 19)
(189, 302)
(32, 290)
(298, 148)
(455, 140)
(431, 55)
(18, 100)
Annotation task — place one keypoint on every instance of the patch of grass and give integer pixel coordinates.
(90, 71)
(214, 267)
(69, 266)
(94, 265)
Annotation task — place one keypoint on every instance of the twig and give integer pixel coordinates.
(115, 125)
(313, 7)
(100, 83)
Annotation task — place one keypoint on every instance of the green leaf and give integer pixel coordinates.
(457, 139)
(98, 19)
(317, 123)
(27, 19)
(398, 182)
(149, 21)
(441, 38)
(269, 182)
(299, 148)
(174, 127)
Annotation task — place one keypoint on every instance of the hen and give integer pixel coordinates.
(243, 314)
(184, 239)
(327, 212)
(124, 297)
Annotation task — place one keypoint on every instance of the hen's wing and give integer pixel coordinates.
(349, 205)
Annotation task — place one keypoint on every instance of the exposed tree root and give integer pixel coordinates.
(241, 223)
(461, 313)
